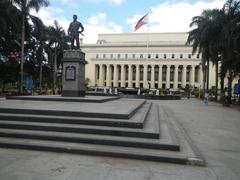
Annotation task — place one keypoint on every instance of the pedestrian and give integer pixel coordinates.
(206, 96)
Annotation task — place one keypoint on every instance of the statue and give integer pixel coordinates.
(110, 91)
(115, 91)
(139, 92)
(73, 31)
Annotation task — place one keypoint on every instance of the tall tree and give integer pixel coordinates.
(203, 37)
(231, 40)
(40, 33)
(58, 42)
(25, 7)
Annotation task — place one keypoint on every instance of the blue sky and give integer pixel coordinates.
(120, 16)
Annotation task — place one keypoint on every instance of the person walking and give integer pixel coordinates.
(206, 96)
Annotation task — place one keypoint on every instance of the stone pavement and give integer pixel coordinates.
(214, 129)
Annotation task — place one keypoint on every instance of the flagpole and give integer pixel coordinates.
(148, 35)
(147, 38)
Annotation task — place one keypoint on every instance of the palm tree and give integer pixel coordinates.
(58, 42)
(25, 6)
(8, 16)
(231, 38)
(207, 38)
(40, 34)
(201, 40)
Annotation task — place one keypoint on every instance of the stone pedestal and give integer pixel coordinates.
(73, 73)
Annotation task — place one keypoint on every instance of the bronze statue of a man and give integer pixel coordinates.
(73, 31)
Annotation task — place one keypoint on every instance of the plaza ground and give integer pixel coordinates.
(214, 129)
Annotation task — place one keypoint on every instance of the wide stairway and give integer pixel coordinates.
(122, 128)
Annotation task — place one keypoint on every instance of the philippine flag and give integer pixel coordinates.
(142, 21)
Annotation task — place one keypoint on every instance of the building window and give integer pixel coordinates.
(141, 56)
(133, 56)
(180, 74)
(188, 74)
(97, 56)
(171, 73)
(141, 72)
(104, 55)
(173, 56)
(157, 56)
(164, 56)
(149, 73)
(156, 72)
(149, 56)
(189, 56)
(134, 73)
(126, 56)
(111, 56)
(198, 56)
(164, 73)
(181, 56)
(119, 56)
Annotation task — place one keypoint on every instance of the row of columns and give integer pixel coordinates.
(122, 81)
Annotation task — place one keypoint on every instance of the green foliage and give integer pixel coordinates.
(216, 35)
(40, 40)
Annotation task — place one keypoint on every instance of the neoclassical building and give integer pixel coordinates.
(144, 60)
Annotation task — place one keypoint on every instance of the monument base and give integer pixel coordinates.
(73, 73)
(69, 93)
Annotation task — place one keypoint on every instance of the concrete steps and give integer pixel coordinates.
(97, 150)
(147, 134)
(118, 109)
(94, 135)
(92, 139)
(89, 99)
(150, 130)
(136, 121)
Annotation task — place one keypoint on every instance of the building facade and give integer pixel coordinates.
(144, 60)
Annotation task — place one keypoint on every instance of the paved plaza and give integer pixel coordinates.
(214, 129)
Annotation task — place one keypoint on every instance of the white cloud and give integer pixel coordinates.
(99, 24)
(115, 2)
(49, 14)
(94, 25)
(174, 17)
(166, 17)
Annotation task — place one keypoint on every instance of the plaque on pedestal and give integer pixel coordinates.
(73, 73)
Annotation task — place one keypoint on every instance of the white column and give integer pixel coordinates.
(145, 82)
(192, 75)
(137, 76)
(115, 76)
(160, 77)
(176, 77)
(184, 76)
(130, 76)
(108, 78)
(100, 74)
(168, 76)
(122, 75)
(152, 76)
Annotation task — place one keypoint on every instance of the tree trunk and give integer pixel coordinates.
(207, 74)
(55, 70)
(216, 81)
(40, 78)
(22, 54)
(204, 78)
(230, 87)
